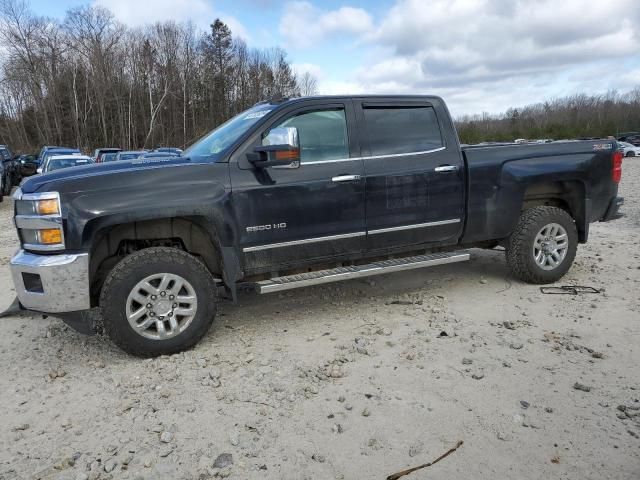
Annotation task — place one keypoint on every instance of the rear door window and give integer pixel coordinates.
(402, 130)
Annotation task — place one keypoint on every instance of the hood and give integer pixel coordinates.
(40, 182)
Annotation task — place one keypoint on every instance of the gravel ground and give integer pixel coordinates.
(349, 381)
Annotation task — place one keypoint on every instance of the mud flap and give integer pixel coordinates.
(87, 322)
(231, 271)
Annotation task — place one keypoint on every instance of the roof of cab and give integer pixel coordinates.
(290, 100)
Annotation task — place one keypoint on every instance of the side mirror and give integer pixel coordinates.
(280, 148)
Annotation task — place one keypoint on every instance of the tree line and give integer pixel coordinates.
(90, 81)
(569, 117)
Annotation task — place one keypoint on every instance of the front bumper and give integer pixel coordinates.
(52, 283)
(612, 211)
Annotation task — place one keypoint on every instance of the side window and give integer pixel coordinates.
(394, 130)
(322, 134)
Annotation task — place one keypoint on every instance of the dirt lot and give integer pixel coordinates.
(350, 381)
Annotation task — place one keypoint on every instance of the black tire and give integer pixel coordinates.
(630, 154)
(519, 248)
(124, 277)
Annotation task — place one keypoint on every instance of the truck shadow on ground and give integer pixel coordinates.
(305, 303)
(266, 315)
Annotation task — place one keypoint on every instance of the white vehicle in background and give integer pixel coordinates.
(629, 150)
(57, 162)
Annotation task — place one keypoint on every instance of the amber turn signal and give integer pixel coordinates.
(285, 155)
(47, 207)
(50, 236)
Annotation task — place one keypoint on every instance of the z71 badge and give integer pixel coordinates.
(271, 226)
(602, 146)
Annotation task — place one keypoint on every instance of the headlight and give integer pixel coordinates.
(39, 220)
(42, 206)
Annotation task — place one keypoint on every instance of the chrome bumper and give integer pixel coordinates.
(52, 283)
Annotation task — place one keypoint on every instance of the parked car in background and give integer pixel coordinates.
(55, 153)
(28, 165)
(629, 150)
(10, 174)
(58, 162)
(174, 150)
(108, 157)
(43, 150)
(630, 137)
(99, 152)
(130, 154)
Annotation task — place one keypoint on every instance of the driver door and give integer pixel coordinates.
(309, 210)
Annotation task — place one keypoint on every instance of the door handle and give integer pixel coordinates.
(446, 168)
(346, 178)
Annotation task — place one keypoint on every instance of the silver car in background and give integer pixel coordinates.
(57, 162)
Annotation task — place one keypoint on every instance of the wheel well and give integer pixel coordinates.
(115, 242)
(567, 195)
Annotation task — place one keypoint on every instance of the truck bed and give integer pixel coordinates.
(498, 177)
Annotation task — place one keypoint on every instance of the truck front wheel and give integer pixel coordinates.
(543, 245)
(158, 301)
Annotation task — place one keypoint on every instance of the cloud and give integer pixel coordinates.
(339, 87)
(200, 12)
(499, 51)
(137, 13)
(315, 70)
(304, 25)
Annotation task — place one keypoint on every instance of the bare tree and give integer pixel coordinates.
(90, 81)
(308, 85)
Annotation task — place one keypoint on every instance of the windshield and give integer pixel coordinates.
(129, 156)
(51, 153)
(226, 134)
(56, 164)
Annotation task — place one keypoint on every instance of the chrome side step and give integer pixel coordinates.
(289, 282)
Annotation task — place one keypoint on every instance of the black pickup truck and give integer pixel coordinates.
(297, 192)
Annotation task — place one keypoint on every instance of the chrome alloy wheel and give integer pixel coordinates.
(550, 246)
(161, 306)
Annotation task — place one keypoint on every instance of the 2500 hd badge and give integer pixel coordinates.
(271, 226)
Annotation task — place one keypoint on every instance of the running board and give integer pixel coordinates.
(289, 282)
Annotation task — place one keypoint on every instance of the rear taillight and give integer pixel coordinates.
(616, 166)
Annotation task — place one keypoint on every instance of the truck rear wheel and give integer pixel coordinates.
(543, 245)
(158, 301)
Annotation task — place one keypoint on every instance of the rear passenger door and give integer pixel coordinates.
(414, 184)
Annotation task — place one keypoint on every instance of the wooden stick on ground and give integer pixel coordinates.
(395, 476)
